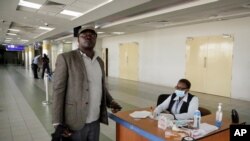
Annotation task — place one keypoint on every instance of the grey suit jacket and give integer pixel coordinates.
(71, 93)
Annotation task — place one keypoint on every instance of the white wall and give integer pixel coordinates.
(67, 47)
(162, 53)
(56, 50)
(98, 47)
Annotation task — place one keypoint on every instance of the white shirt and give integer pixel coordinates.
(35, 60)
(94, 74)
(193, 105)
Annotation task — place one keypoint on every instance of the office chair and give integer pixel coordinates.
(163, 97)
(204, 111)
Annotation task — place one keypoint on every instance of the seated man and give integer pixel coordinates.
(180, 104)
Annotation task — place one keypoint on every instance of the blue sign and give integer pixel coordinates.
(14, 47)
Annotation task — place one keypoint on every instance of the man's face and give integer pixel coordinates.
(182, 87)
(87, 40)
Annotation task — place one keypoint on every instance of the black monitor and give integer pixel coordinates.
(76, 29)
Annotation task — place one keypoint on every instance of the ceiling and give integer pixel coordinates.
(113, 18)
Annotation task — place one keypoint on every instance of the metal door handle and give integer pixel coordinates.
(205, 62)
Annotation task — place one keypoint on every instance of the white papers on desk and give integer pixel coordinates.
(168, 116)
(140, 114)
(203, 130)
(208, 127)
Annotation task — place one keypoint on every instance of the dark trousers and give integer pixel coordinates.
(47, 68)
(90, 132)
(34, 69)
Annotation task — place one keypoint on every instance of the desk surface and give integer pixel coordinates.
(149, 126)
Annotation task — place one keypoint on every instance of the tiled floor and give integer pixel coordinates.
(23, 117)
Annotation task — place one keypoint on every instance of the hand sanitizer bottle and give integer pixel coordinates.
(219, 114)
(197, 119)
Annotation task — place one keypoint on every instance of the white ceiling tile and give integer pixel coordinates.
(42, 12)
(54, 9)
(81, 7)
(37, 1)
(21, 8)
(76, 9)
(47, 13)
(26, 31)
(66, 2)
(95, 2)
(52, 14)
(84, 5)
(64, 16)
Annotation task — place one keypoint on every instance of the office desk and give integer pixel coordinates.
(130, 129)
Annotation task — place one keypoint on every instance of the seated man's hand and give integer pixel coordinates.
(166, 112)
(115, 107)
(155, 114)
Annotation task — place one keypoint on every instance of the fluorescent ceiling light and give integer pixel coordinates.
(11, 34)
(71, 13)
(45, 28)
(92, 9)
(24, 40)
(161, 11)
(68, 42)
(48, 29)
(8, 38)
(11, 29)
(100, 32)
(97, 26)
(29, 4)
(118, 33)
(226, 35)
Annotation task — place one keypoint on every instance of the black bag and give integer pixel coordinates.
(235, 116)
(58, 134)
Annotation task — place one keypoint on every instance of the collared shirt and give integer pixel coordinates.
(193, 105)
(36, 59)
(94, 74)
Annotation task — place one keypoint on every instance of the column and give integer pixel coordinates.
(31, 55)
(74, 43)
(46, 48)
(26, 53)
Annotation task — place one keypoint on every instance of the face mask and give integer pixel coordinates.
(180, 93)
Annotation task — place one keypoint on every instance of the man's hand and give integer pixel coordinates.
(66, 133)
(166, 112)
(60, 131)
(115, 107)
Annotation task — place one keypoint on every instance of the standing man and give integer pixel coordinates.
(80, 96)
(45, 60)
(34, 66)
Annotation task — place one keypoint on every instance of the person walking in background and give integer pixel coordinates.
(45, 61)
(34, 66)
(80, 96)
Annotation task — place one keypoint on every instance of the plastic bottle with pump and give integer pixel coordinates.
(219, 114)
